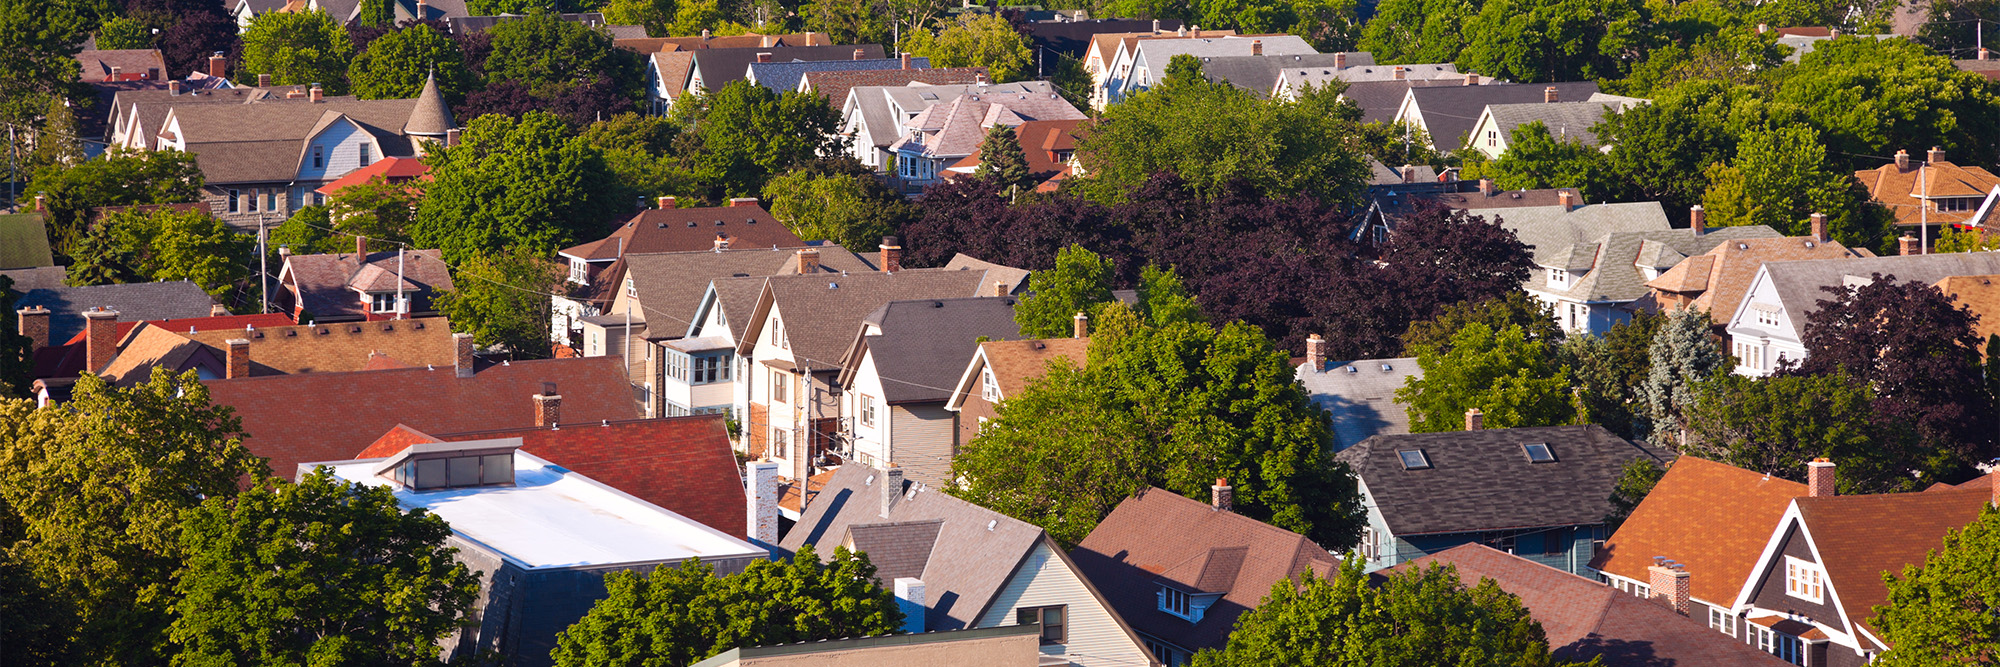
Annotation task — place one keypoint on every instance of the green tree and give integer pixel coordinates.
(1418, 617)
(1780, 177)
(1080, 283)
(297, 48)
(165, 245)
(1952, 239)
(306, 233)
(376, 13)
(1683, 354)
(318, 572)
(16, 372)
(60, 143)
(1536, 159)
(1635, 482)
(976, 40)
(838, 201)
(656, 15)
(526, 184)
(124, 33)
(1174, 406)
(502, 300)
(1513, 380)
(1395, 144)
(639, 152)
(543, 50)
(1068, 76)
(498, 7)
(39, 41)
(99, 485)
(1775, 425)
(744, 133)
(695, 17)
(97, 258)
(378, 210)
(847, 21)
(1872, 97)
(1944, 611)
(1164, 299)
(1661, 150)
(396, 65)
(117, 178)
(1417, 31)
(1610, 372)
(1536, 41)
(1001, 158)
(680, 615)
(1533, 315)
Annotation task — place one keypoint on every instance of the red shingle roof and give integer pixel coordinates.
(390, 169)
(1713, 518)
(690, 230)
(67, 359)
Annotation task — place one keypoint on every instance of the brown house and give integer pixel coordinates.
(361, 285)
(1716, 282)
(1981, 295)
(1935, 190)
(1003, 368)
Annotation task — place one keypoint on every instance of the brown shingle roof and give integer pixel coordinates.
(1860, 537)
(671, 285)
(326, 283)
(1016, 363)
(1981, 295)
(254, 143)
(821, 311)
(146, 348)
(835, 85)
(1722, 275)
(1713, 518)
(97, 64)
(1899, 189)
(658, 44)
(334, 348)
(673, 68)
(690, 230)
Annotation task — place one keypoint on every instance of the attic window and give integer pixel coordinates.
(1538, 452)
(1414, 459)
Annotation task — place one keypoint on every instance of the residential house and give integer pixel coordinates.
(1109, 61)
(1048, 145)
(1380, 101)
(1593, 285)
(1766, 329)
(1709, 520)
(135, 110)
(1541, 493)
(56, 367)
(390, 170)
(24, 241)
(1181, 571)
(1803, 40)
(69, 306)
(360, 285)
(462, 24)
(1294, 78)
(1002, 646)
(540, 537)
(281, 350)
(94, 124)
(1982, 63)
(1150, 57)
(704, 41)
(1259, 73)
(874, 116)
(1715, 282)
(1360, 395)
(956, 565)
(121, 65)
(785, 77)
(1559, 212)
(1931, 193)
(676, 73)
(1566, 121)
(1981, 295)
(1447, 113)
(1585, 620)
(1408, 179)
(1811, 596)
(1002, 368)
(946, 133)
(836, 85)
(897, 375)
(26, 280)
(1072, 38)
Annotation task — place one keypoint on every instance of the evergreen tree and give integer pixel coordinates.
(1683, 354)
(1000, 158)
(59, 144)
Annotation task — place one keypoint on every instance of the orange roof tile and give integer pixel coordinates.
(1713, 518)
(1981, 295)
(1730, 266)
(1017, 362)
(389, 169)
(1900, 189)
(1860, 537)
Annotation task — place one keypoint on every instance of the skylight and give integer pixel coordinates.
(1414, 459)
(1538, 452)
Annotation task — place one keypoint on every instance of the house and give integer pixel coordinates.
(1541, 493)
(1181, 571)
(540, 537)
(1592, 286)
(946, 133)
(121, 65)
(1289, 81)
(1359, 395)
(1110, 60)
(24, 241)
(1380, 100)
(676, 73)
(704, 41)
(1768, 325)
(1981, 295)
(784, 77)
(1259, 73)
(1447, 113)
(134, 110)
(956, 565)
(1560, 213)
(1002, 368)
(1585, 619)
(26, 280)
(836, 85)
(1072, 38)
(874, 116)
(1002, 646)
(1048, 145)
(280, 350)
(1810, 597)
(1983, 64)
(360, 285)
(94, 122)
(462, 24)
(68, 306)
(1931, 193)
(1709, 520)
(1566, 121)
(55, 367)
(681, 464)
(390, 170)
(897, 375)
(1714, 282)
(1150, 57)
(291, 419)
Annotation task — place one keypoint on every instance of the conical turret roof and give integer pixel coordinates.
(431, 115)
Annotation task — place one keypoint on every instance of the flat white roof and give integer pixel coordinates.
(554, 518)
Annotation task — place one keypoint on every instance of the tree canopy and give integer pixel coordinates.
(297, 48)
(395, 66)
(975, 40)
(1080, 283)
(1942, 612)
(744, 133)
(836, 200)
(117, 178)
(1513, 380)
(502, 299)
(527, 183)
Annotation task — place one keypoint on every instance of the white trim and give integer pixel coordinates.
(1798, 568)
(1767, 560)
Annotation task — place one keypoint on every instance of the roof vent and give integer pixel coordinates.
(1742, 246)
(418, 325)
(690, 223)
(663, 225)
(1039, 345)
(833, 285)
(739, 275)
(288, 332)
(937, 304)
(749, 221)
(990, 523)
(1386, 368)
(1351, 369)
(1809, 244)
(718, 223)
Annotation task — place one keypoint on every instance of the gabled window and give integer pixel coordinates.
(1538, 452)
(1054, 628)
(865, 406)
(384, 302)
(1174, 601)
(989, 386)
(579, 271)
(778, 338)
(319, 157)
(1804, 580)
(1414, 459)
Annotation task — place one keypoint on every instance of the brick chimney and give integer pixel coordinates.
(1315, 353)
(361, 246)
(1471, 79)
(1000, 288)
(1567, 198)
(763, 57)
(1340, 60)
(263, 81)
(858, 54)
(1763, 28)
(174, 87)
(1549, 94)
(762, 497)
(117, 73)
(1488, 188)
(742, 201)
(239, 358)
(1408, 172)
(1474, 420)
(295, 93)
(721, 241)
(808, 261)
(1079, 325)
(1698, 220)
(1907, 245)
(1820, 479)
(34, 324)
(100, 341)
(1256, 47)
(1902, 160)
(41, 202)
(1984, 54)
(462, 342)
(904, 58)
(152, 74)
(317, 93)
(451, 137)
(1670, 583)
(1935, 155)
(1819, 228)
(218, 65)
(666, 203)
(892, 254)
(548, 406)
(890, 485)
(1222, 496)
(1399, 73)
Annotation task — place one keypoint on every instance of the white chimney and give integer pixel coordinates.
(910, 599)
(762, 497)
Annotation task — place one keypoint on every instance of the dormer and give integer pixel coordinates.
(1186, 591)
(1656, 258)
(440, 466)
(1567, 266)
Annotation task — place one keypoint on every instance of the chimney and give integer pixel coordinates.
(174, 87)
(1549, 94)
(1698, 220)
(1488, 188)
(1409, 173)
(1315, 353)
(721, 241)
(1820, 479)
(742, 201)
(41, 202)
(1906, 245)
(767, 41)
(1902, 160)
(361, 246)
(910, 599)
(1763, 28)
(666, 203)
(218, 65)
(34, 324)
(904, 57)
(1256, 47)
(1399, 73)
(892, 254)
(117, 73)
(1079, 326)
(1567, 198)
(1156, 26)
(1935, 155)
(1671, 582)
(239, 358)
(294, 94)
(284, 251)
(704, 34)
(763, 57)
(463, 343)
(316, 93)
(548, 406)
(451, 137)
(1474, 420)
(1819, 227)
(808, 261)
(101, 338)
(423, 10)
(1000, 288)
(1222, 496)
(1472, 79)
(1340, 60)
(217, 310)
(763, 499)
(263, 81)
(891, 485)
(1983, 53)
(858, 54)
(979, 78)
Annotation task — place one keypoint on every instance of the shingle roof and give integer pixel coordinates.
(1712, 518)
(65, 358)
(835, 85)
(783, 77)
(690, 230)
(331, 348)
(430, 116)
(1259, 73)
(1584, 619)
(671, 285)
(821, 311)
(1860, 537)
(1900, 189)
(1610, 265)
(1297, 77)
(1016, 363)
(1566, 120)
(97, 64)
(673, 68)
(721, 67)
(1072, 38)
(1482, 480)
(897, 550)
(1722, 275)
(1549, 230)
(326, 283)
(1798, 283)
(1362, 396)
(1016, 279)
(389, 169)
(1158, 537)
(874, 102)
(133, 301)
(256, 143)
(292, 419)
(1155, 53)
(924, 344)
(24, 241)
(956, 128)
(150, 347)
(1380, 99)
(1450, 111)
(35, 278)
(1981, 295)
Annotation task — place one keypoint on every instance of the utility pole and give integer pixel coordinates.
(401, 305)
(263, 269)
(1924, 211)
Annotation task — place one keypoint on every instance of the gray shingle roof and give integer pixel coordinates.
(1154, 54)
(1565, 120)
(720, 67)
(1549, 230)
(671, 284)
(897, 550)
(326, 283)
(1361, 395)
(26, 280)
(822, 311)
(956, 128)
(1614, 274)
(1482, 480)
(784, 76)
(1449, 112)
(1297, 76)
(877, 104)
(1379, 99)
(430, 116)
(258, 143)
(1257, 73)
(925, 344)
(1798, 282)
(134, 301)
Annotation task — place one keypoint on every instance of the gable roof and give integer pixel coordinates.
(1450, 111)
(1798, 283)
(1481, 480)
(721, 67)
(821, 311)
(1379, 100)
(1158, 538)
(1361, 395)
(333, 348)
(389, 169)
(744, 41)
(874, 103)
(1550, 231)
(1566, 121)
(923, 343)
(1900, 189)
(1712, 518)
(748, 226)
(24, 241)
(1072, 38)
(1981, 295)
(1722, 275)
(150, 347)
(1017, 363)
(671, 285)
(834, 85)
(133, 301)
(1157, 52)
(1015, 279)
(263, 142)
(673, 69)
(327, 283)
(138, 63)
(65, 359)
(783, 77)
(955, 129)
(1258, 73)
(1610, 266)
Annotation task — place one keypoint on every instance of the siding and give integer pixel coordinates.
(1771, 594)
(341, 142)
(1095, 637)
(922, 444)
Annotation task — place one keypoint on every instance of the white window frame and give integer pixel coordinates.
(1805, 580)
(234, 198)
(1370, 545)
(989, 385)
(1722, 621)
(778, 338)
(1558, 277)
(631, 289)
(1785, 647)
(865, 407)
(378, 300)
(579, 271)
(781, 442)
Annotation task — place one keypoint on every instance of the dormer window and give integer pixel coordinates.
(1174, 601)
(1558, 277)
(383, 302)
(989, 386)
(452, 465)
(579, 271)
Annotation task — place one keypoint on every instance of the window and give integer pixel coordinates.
(781, 387)
(1492, 138)
(579, 271)
(1051, 620)
(1555, 542)
(1642, 591)
(710, 369)
(778, 334)
(989, 386)
(458, 471)
(253, 201)
(1766, 315)
(1558, 277)
(781, 442)
(1165, 654)
(1370, 547)
(1538, 452)
(1957, 203)
(319, 157)
(384, 302)
(1802, 580)
(365, 154)
(1720, 619)
(232, 200)
(677, 366)
(1414, 459)
(1786, 647)
(1174, 601)
(631, 288)
(865, 405)
(319, 199)
(270, 200)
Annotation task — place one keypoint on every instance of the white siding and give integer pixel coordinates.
(871, 442)
(922, 441)
(1095, 637)
(342, 143)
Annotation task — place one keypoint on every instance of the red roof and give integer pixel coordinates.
(683, 464)
(391, 169)
(67, 359)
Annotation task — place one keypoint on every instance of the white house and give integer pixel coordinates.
(1767, 328)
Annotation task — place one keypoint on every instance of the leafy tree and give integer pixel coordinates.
(543, 50)
(1395, 144)
(396, 65)
(1439, 256)
(694, 17)
(1536, 159)
(502, 300)
(656, 15)
(306, 233)
(1068, 76)
(1780, 178)
(1635, 482)
(498, 7)
(746, 132)
(98, 259)
(847, 21)
(1000, 158)
(1660, 150)
(1942, 612)
(323, 571)
(1611, 372)
(984, 40)
(526, 184)
(680, 615)
(1516, 308)
(190, 32)
(579, 104)
(377, 210)
(123, 33)
(1173, 406)
(1164, 299)
(1536, 41)
(117, 178)
(1874, 97)
(639, 152)
(838, 201)
(1080, 283)
(1418, 617)
(376, 13)
(297, 48)
(1417, 31)
(1952, 239)
(59, 145)
(16, 373)
(99, 485)
(1775, 425)
(167, 245)
(1513, 380)
(1683, 353)
(38, 42)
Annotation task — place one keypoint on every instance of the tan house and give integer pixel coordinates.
(1716, 281)
(1934, 191)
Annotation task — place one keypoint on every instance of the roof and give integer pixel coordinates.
(784, 76)
(923, 344)
(1900, 189)
(1015, 644)
(97, 64)
(1258, 73)
(327, 283)
(1565, 120)
(1017, 363)
(1157, 52)
(721, 67)
(673, 68)
(821, 311)
(1016, 279)
(689, 230)
(1610, 269)
(1712, 518)
(553, 518)
(1550, 231)
(333, 348)
(1361, 395)
(834, 85)
(1981, 295)
(1857, 538)
(24, 241)
(967, 565)
(150, 347)
(464, 24)
(1798, 283)
(743, 41)
(1045, 144)
(1481, 480)
(291, 419)
(389, 169)
(431, 116)
(671, 285)
(1296, 77)
(1449, 112)
(133, 301)
(875, 103)
(66, 358)
(1584, 619)
(1722, 275)
(955, 128)
(1072, 38)
(1158, 538)
(1379, 100)
(35, 278)
(683, 464)
(255, 143)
